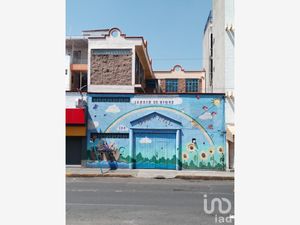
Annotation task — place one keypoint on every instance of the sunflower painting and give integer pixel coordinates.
(203, 156)
(211, 151)
(185, 156)
(221, 150)
(191, 147)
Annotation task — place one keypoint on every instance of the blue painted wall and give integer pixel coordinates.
(185, 117)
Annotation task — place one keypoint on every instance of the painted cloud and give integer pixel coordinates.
(112, 109)
(206, 116)
(145, 140)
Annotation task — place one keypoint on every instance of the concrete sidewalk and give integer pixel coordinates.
(78, 171)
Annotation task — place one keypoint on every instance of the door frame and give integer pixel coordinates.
(160, 131)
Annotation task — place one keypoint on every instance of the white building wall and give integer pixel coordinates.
(218, 7)
(223, 53)
(229, 60)
(229, 45)
(67, 73)
(206, 56)
(72, 99)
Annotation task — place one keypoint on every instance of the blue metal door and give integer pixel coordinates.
(155, 150)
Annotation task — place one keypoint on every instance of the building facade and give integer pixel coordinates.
(137, 117)
(76, 63)
(176, 131)
(75, 127)
(118, 63)
(218, 62)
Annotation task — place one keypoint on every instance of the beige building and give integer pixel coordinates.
(177, 80)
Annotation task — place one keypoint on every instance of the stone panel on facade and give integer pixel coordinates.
(111, 70)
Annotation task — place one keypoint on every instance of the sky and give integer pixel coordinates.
(172, 28)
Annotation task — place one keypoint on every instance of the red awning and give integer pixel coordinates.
(75, 116)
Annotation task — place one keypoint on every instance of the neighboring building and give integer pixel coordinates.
(76, 55)
(75, 127)
(218, 62)
(76, 87)
(177, 80)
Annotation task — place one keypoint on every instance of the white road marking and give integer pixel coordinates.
(108, 204)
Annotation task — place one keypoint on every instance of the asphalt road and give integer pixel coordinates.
(118, 201)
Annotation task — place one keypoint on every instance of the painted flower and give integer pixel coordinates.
(213, 114)
(220, 150)
(210, 126)
(203, 155)
(205, 108)
(211, 151)
(191, 147)
(216, 102)
(185, 156)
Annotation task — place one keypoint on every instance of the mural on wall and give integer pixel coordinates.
(156, 131)
(155, 150)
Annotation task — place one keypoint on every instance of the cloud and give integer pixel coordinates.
(206, 116)
(145, 140)
(112, 109)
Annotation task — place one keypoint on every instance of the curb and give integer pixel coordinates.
(187, 177)
(184, 177)
(98, 175)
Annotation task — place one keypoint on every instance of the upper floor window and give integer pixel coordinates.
(111, 51)
(110, 99)
(151, 83)
(191, 85)
(76, 59)
(171, 85)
